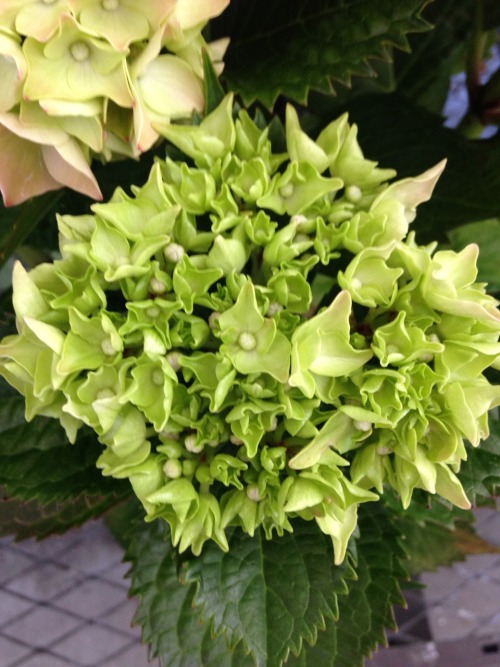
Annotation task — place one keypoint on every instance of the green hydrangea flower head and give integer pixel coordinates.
(94, 78)
(202, 327)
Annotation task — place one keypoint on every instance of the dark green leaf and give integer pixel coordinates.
(487, 235)
(416, 75)
(38, 462)
(7, 325)
(401, 135)
(426, 508)
(240, 589)
(33, 519)
(270, 594)
(18, 222)
(480, 474)
(174, 629)
(430, 545)
(289, 46)
(491, 14)
(367, 610)
(214, 92)
(436, 533)
(436, 55)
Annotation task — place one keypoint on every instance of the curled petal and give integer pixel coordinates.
(189, 13)
(13, 69)
(40, 19)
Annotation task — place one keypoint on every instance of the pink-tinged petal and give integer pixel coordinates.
(40, 19)
(23, 173)
(87, 129)
(170, 89)
(216, 50)
(154, 12)
(189, 13)
(12, 72)
(119, 24)
(8, 12)
(144, 134)
(34, 125)
(75, 66)
(118, 131)
(152, 81)
(36, 159)
(64, 108)
(67, 164)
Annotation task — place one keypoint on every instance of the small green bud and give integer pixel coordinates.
(247, 341)
(191, 444)
(173, 468)
(174, 252)
(203, 475)
(253, 493)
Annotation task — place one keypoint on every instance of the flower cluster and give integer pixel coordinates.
(256, 336)
(80, 78)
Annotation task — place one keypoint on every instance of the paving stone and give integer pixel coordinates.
(43, 660)
(121, 618)
(117, 573)
(91, 645)
(12, 563)
(41, 627)
(440, 584)
(43, 581)
(48, 548)
(135, 656)
(91, 599)
(97, 553)
(11, 651)
(447, 624)
(12, 606)
(481, 598)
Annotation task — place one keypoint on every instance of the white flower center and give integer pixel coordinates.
(190, 444)
(286, 191)
(353, 193)
(173, 360)
(212, 319)
(157, 286)
(157, 377)
(274, 307)
(152, 312)
(80, 51)
(363, 425)
(173, 469)
(174, 252)
(105, 393)
(107, 347)
(253, 493)
(298, 220)
(247, 341)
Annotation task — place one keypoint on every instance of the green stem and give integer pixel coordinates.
(475, 57)
(470, 126)
(20, 221)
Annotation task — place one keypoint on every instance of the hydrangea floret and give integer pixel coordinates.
(257, 336)
(94, 78)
